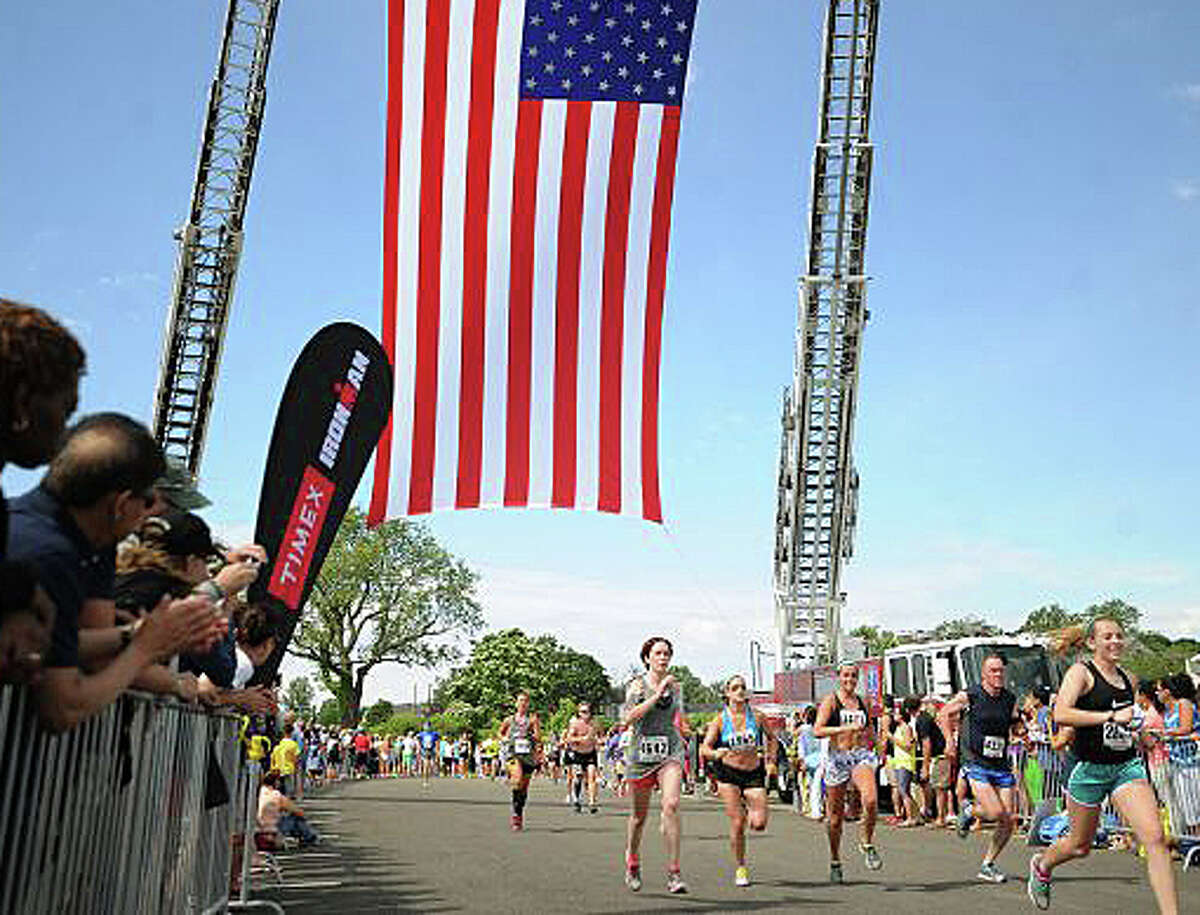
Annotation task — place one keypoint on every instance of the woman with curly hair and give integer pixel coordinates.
(40, 367)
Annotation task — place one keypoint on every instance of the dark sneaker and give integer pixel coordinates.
(578, 807)
(675, 883)
(989, 873)
(593, 809)
(871, 857)
(1038, 886)
(835, 872)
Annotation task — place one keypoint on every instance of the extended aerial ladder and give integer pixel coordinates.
(210, 243)
(818, 486)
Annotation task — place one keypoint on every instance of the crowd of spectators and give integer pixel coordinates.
(920, 751)
(108, 580)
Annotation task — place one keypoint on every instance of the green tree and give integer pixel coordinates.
(1114, 609)
(1153, 655)
(965, 627)
(299, 696)
(502, 663)
(695, 691)
(1048, 619)
(378, 713)
(388, 595)
(876, 640)
(331, 713)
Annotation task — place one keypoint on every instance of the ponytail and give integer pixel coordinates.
(1075, 638)
(1068, 640)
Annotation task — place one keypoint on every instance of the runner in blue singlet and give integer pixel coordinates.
(740, 749)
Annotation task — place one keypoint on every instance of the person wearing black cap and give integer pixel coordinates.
(171, 555)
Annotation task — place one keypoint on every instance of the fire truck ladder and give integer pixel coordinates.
(210, 243)
(818, 486)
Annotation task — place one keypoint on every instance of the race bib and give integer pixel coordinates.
(522, 745)
(1117, 736)
(745, 741)
(653, 749)
(853, 716)
(994, 747)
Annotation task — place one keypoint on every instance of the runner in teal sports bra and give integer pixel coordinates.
(740, 749)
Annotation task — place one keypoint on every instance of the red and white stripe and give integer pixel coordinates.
(525, 250)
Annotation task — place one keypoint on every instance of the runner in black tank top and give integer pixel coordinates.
(1096, 698)
(521, 732)
(989, 715)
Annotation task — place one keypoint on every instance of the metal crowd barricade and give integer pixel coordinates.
(1178, 784)
(129, 812)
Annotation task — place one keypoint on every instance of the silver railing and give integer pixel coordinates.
(130, 812)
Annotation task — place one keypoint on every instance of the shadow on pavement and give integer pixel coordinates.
(369, 882)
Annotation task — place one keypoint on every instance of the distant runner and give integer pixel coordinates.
(428, 739)
(582, 740)
(653, 713)
(522, 732)
(844, 718)
(740, 749)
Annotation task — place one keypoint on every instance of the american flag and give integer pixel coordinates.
(531, 150)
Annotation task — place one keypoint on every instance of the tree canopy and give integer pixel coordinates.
(299, 696)
(388, 595)
(695, 691)
(876, 640)
(503, 663)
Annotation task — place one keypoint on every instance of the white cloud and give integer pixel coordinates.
(1186, 190)
(1189, 92)
(711, 629)
(125, 280)
(949, 578)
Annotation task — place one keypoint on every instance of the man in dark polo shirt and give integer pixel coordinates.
(97, 491)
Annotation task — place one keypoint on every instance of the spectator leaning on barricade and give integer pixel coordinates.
(255, 641)
(98, 490)
(170, 555)
(40, 367)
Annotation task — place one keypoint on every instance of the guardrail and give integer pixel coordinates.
(130, 812)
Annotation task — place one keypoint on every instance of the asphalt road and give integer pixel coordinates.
(393, 846)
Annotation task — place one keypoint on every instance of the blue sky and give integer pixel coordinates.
(1027, 412)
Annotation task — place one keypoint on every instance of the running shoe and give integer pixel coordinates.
(962, 823)
(870, 856)
(989, 873)
(742, 876)
(1038, 886)
(517, 825)
(633, 875)
(578, 807)
(675, 883)
(835, 872)
(593, 809)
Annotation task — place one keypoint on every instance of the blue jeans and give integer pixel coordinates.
(292, 825)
